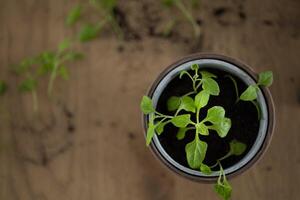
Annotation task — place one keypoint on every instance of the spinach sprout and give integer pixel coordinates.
(204, 85)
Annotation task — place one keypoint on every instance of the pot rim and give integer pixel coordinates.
(266, 96)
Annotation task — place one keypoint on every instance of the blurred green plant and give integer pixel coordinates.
(47, 63)
(105, 10)
(185, 12)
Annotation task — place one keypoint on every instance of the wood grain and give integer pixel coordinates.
(88, 142)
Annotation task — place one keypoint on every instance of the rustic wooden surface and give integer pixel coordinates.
(89, 144)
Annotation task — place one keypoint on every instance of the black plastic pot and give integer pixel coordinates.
(230, 66)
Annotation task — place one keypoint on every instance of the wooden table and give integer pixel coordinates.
(88, 142)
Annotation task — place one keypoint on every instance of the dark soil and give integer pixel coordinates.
(243, 115)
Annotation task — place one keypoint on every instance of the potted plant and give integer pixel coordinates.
(209, 117)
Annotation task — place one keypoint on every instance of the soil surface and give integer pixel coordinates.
(243, 117)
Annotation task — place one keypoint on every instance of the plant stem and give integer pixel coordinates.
(197, 115)
(189, 93)
(220, 159)
(52, 77)
(198, 85)
(162, 115)
(35, 101)
(257, 108)
(188, 16)
(118, 30)
(235, 87)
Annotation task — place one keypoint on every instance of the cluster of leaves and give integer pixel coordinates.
(51, 63)
(185, 12)
(90, 31)
(204, 85)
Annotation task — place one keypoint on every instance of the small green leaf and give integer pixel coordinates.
(89, 32)
(195, 67)
(74, 15)
(187, 103)
(64, 72)
(202, 129)
(223, 127)
(206, 74)
(211, 86)
(173, 103)
(65, 44)
(237, 148)
(201, 99)
(265, 78)
(195, 153)
(223, 190)
(150, 130)
(3, 87)
(181, 121)
(146, 105)
(160, 127)
(205, 169)
(249, 94)
(28, 85)
(181, 133)
(215, 114)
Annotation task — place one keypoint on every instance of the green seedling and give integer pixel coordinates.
(204, 86)
(105, 10)
(48, 63)
(186, 13)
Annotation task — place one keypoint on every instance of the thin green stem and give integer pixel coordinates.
(116, 27)
(53, 76)
(257, 108)
(199, 84)
(220, 159)
(35, 101)
(189, 17)
(162, 115)
(197, 115)
(189, 93)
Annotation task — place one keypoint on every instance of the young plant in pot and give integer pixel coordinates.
(209, 117)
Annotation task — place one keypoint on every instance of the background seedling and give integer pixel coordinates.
(186, 13)
(204, 85)
(104, 9)
(51, 63)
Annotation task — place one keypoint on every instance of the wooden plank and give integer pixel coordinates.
(88, 143)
